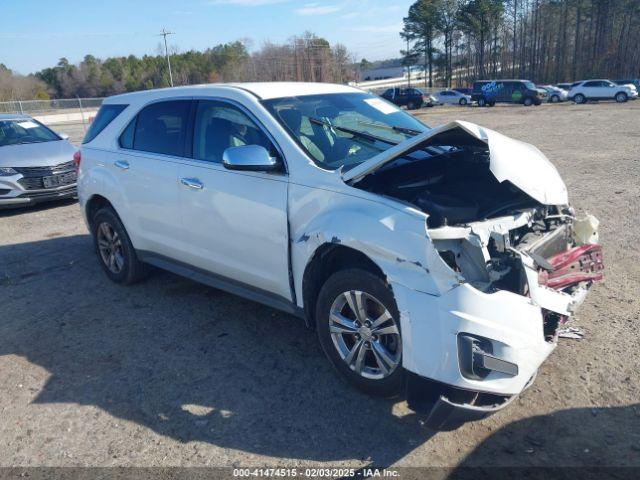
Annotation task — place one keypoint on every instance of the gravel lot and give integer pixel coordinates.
(169, 372)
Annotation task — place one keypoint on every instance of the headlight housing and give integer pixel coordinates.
(6, 171)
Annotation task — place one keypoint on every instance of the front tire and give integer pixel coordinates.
(482, 102)
(555, 99)
(621, 97)
(463, 101)
(359, 330)
(580, 99)
(528, 102)
(113, 247)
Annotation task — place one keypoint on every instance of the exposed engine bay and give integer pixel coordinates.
(492, 233)
(453, 186)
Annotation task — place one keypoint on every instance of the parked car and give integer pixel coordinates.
(564, 86)
(490, 92)
(555, 94)
(412, 98)
(464, 91)
(635, 82)
(438, 262)
(601, 90)
(36, 164)
(451, 97)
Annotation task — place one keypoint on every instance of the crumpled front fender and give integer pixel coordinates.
(394, 239)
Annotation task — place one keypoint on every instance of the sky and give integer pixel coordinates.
(34, 34)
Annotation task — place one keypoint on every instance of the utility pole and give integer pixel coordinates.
(164, 34)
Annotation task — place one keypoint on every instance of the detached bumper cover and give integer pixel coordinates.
(447, 408)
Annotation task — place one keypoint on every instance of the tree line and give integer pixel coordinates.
(306, 57)
(547, 41)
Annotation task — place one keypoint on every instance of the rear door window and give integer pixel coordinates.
(105, 116)
(162, 127)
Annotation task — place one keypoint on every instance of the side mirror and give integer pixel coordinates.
(64, 136)
(249, 157)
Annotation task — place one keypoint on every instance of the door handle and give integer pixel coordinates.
(122, 164)
(192, 183)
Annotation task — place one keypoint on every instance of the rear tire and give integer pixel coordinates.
(370, 361)
(482, 102)
(113, 247)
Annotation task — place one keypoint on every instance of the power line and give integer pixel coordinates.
(164, 34)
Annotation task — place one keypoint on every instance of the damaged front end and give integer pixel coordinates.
(538, 253)
(498, 214)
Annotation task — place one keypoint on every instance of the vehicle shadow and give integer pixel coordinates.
(574, 443)
(38, 207)
(187, 361)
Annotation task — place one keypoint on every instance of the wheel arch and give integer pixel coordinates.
(95, 203)
(328, 259)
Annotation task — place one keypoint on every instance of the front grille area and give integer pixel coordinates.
(32, 176)
(31, 183)
(45, 171)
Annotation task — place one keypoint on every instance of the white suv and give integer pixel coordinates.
(438, 262)
(602, 90)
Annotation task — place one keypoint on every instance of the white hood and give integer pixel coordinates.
(522, 164)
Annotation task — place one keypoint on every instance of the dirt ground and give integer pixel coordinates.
(172, 373)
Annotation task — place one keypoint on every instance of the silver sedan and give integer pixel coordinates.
(36, 164)
(451, 97)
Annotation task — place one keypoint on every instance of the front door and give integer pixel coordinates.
(236, 221)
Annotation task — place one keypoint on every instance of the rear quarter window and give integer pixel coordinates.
(105, 116)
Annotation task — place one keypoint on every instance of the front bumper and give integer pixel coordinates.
(431, 326)
(22, 190)
(13, 195)
(446, 407)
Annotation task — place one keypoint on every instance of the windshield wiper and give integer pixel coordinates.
(351, 131)
(408, 131)
(396, 128)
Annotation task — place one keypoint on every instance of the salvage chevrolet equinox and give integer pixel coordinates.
(434, 262)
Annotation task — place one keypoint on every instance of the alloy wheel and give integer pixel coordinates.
(365, 334)
(110, 247)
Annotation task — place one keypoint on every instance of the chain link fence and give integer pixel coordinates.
(49, 107)
(72, 115)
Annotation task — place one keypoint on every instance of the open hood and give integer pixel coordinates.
(522, 164)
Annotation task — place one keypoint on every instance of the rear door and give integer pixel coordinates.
(147, 165)
(235, 222)
(591, 89)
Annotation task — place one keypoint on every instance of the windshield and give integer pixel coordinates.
(21, 131)
(530, 85)
(343, 129)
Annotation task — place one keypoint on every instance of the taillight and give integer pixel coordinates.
(76, 160)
